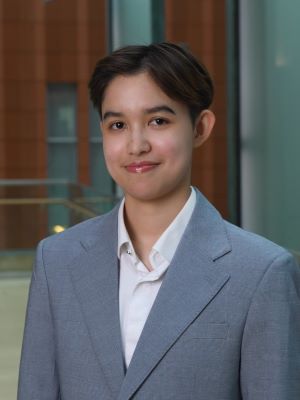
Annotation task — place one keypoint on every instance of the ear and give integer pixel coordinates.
(204, 124)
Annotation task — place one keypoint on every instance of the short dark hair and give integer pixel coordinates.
(173, 68)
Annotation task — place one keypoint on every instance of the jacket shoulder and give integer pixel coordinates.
(85, 232)
(252, 247)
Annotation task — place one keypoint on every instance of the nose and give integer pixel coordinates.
(138, 142)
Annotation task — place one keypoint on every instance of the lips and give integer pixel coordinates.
(140, 167)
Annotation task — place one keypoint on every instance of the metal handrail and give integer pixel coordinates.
(35, 182)
(41, 201)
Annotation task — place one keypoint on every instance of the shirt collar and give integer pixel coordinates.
(123, 237)
(167, 243)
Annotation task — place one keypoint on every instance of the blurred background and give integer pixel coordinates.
(52, 172)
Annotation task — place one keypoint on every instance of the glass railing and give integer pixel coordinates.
(33, 209)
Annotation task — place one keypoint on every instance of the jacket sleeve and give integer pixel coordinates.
(38, 378)
(270, 353)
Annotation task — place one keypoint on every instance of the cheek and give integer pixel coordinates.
(177, 151)
(111, 152)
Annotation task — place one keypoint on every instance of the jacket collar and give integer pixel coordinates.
(193, 276)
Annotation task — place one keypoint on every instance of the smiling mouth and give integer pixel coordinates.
(139, 168)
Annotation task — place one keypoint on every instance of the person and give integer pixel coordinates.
(160, 299)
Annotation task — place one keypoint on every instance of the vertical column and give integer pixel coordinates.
(233, 112)
(40, 63)
(40, 114)
(2, 135)
(82, 91)
(2, 126)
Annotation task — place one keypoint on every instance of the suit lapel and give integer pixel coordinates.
(95, 279)
(191, 282)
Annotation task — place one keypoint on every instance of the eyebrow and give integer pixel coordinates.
(109, 114)
(161, 108)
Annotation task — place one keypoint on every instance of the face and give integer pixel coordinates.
(148, 139)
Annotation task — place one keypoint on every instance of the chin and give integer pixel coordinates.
(148, 194)
(141, 193)
(144, 196)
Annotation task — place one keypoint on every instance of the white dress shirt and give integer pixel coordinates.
(139, 286)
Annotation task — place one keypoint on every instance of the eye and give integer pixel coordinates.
(117, 125)
(158, 121)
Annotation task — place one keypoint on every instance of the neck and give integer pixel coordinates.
(147, 220)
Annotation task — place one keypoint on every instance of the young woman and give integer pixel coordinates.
(160, 298)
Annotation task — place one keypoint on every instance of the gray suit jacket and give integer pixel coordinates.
(225, 324)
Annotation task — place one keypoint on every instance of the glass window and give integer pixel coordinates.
(100, 178)
(62, 146)
(270, 63)
(61, 130)
(131, 22)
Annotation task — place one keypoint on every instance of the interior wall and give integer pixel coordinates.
(41, 42)
(201, 24)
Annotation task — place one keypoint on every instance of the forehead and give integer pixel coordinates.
(139, 89)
